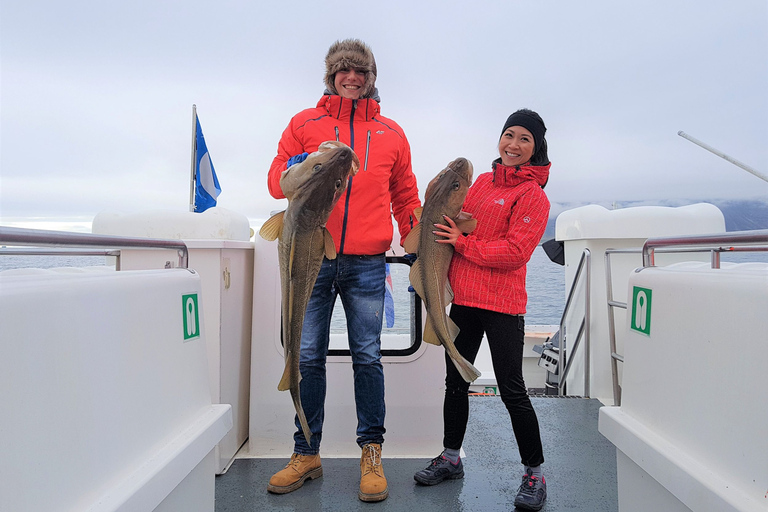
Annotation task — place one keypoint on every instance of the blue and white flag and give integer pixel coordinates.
(207, 187)
(389, 301)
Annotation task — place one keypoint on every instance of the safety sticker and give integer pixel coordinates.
(190, 316)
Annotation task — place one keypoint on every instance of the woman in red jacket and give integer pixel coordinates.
(487, 275)
(361, 227)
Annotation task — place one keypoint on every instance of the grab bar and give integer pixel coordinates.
(40, 237)
(735, 241)
(563, 363)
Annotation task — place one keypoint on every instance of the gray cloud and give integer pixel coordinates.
(96, 98)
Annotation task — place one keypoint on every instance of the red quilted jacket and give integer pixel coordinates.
(488, 266)
(361, 222)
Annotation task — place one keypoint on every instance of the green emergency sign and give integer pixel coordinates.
(641, 310)
(191, 316)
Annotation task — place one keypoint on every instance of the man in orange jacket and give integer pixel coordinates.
(361, 226)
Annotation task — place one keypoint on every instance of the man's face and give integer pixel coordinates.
(349, 83)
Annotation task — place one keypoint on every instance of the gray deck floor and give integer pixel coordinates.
(580, 470)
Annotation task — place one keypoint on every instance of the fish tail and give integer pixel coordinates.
(467, 370)
(285, 380)
(296, 396)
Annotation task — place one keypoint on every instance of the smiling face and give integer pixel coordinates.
(349, 83)
(516, 146)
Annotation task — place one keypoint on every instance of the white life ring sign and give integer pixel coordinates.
(190, 316)
(641, 310)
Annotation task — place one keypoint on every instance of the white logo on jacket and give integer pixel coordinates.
(500, 201)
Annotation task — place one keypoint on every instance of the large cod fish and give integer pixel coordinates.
(313, 187)
(429, 274)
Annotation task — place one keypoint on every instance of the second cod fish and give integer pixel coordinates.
(429, 273)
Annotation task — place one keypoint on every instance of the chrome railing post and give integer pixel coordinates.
(587, 321)
(45, 238)
(563, 363)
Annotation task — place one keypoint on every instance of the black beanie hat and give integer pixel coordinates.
(529, 120)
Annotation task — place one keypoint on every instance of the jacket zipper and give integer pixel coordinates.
(349, 185)
(336, 129)
(367, 146)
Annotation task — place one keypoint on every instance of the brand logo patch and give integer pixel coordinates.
(500, 201)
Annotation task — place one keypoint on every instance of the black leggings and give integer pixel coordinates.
(505, 335)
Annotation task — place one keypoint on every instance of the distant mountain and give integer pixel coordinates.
(744, 215)
(740, 215)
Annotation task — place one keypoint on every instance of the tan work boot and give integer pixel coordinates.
(373, 483)
(299, 469)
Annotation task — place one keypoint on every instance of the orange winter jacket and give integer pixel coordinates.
(361, 222)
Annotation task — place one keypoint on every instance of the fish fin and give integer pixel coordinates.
(467, 370)
(285, 381)
(447, 294)
(453, 329)
(429, 335)
(466, 225)
(415, 278)
(417, 212)
(411, 242)
(330, 246)
(273, 228)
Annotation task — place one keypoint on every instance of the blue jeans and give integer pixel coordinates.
(359, 280)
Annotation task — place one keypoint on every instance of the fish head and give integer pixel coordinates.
(450, 186)
(322, 178)
(329, 154)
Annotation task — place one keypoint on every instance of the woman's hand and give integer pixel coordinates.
(449, 232)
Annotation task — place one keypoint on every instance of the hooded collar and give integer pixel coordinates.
(341, 108)
(504, 176)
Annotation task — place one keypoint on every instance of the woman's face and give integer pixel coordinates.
(516, 146)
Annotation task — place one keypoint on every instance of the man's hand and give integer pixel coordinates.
(410, 257)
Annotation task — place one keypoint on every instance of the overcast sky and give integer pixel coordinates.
(96, 96)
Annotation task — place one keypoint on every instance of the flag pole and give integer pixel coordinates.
(193, 174)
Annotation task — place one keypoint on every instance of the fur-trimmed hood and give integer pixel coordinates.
(351, 54)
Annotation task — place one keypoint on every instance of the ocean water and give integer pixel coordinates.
(9, 261)
(546, 286)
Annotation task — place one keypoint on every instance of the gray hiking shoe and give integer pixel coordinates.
(532, 493)
(440, 469)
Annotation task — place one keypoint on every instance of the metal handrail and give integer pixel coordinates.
(18, 251)
(46, 238)
(736, 241)
(585, 264)
(716, 244)
(615, 356)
